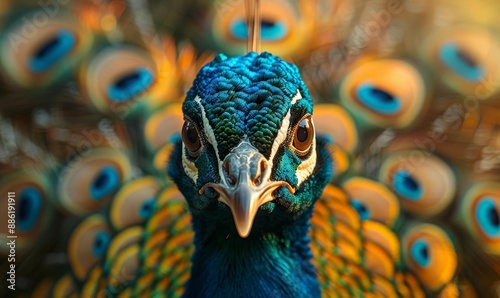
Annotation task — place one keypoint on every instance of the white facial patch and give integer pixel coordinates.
(209, 132)
(296, 97)
(306, 167)
(280, 138)
(285, 126)
(189, 167)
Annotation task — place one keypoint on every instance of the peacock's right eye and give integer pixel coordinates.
(303, 136)
(191, 138)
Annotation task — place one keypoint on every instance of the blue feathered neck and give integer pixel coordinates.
(275, 264)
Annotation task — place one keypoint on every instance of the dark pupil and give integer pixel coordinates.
(410, 183)
(101, 180)
(424, 252)
(192, 135)
(302, 132)
(127, 80)
(466, 58)
(362, 209)
(382, 95)
(266, 24)
(98, 242)
(47, 47)
(25, 207)
(493, 217)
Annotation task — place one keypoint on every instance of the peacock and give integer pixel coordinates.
(230, 148)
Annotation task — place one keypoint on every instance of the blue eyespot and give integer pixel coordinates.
(101, 242)
(147, 208)
(461, 63)
(405, 185)
(52, 51)
(106, 181)
(377, 99)
(363, 212)
(269, 31)
(30, 207)
(420, 253)
(130, 85)
(488, 217)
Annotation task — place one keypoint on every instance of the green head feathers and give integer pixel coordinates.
(249, 118)
(246, 96)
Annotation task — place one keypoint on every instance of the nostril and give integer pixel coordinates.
(231, 180)
(258, 179)
(263, 166)
(260, 173)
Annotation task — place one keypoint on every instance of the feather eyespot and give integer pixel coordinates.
(89, 183)
(30, 208)
(488, 217)
(271, 30)
(479, 213)
(465, 59)
(46, 56)
(282, 30)
(420, 253)
(87, 244)
(191, 138)
(429, 253)
(117, 78)
(303, 136)
(369, 93)
(425, 186)
(27, 197)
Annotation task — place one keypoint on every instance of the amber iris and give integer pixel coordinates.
(303, 136)
(191, 138)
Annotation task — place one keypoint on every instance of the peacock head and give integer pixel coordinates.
(249, 160)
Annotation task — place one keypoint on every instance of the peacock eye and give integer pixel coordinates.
(191, 138)
(479, 213)
(303, 136)
(47, 54)
(118, 77)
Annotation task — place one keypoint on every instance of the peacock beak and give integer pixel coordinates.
(245, 185)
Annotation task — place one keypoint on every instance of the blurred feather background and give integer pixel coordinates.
(90, 94)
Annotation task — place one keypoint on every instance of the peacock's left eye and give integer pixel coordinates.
(303, 136)
(191, 138)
